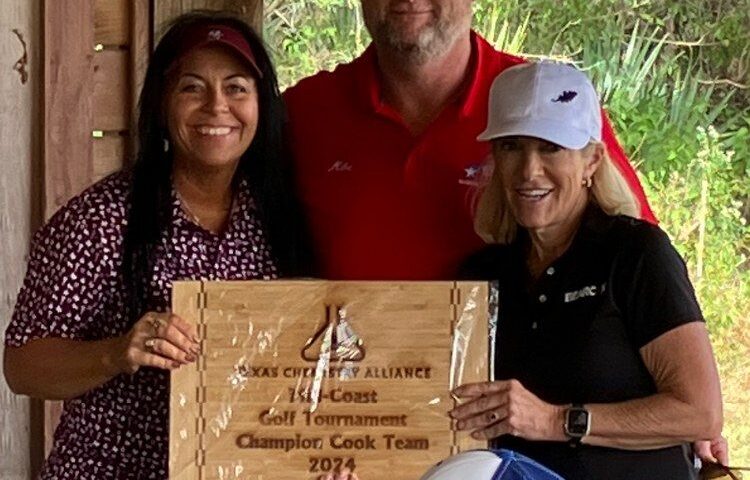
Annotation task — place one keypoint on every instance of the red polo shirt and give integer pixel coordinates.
(383, 203)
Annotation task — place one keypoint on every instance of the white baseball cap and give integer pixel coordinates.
(551, 101)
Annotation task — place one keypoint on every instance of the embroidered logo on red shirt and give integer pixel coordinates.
(471, 175)
(340, 166)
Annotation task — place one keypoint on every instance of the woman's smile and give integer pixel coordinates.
(215, 131)
(212, 109)
(533, 195)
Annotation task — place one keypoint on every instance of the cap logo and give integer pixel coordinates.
(215, 35)
(566, 96)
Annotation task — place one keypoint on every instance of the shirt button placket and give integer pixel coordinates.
(542, 298)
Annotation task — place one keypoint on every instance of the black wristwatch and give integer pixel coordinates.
(577, 423)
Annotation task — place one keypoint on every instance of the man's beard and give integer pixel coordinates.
(432, 41)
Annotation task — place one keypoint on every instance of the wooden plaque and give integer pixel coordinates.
(297, 378)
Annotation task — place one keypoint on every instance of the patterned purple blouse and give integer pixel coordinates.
(73, 289)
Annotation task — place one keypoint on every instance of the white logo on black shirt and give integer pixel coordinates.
(590, 291)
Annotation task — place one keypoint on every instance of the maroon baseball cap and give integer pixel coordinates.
(203, 35)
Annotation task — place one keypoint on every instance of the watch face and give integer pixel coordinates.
(577, 422)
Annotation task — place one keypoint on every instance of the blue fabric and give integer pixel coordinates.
(519, 467)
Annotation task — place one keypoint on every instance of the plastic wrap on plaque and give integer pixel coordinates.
(299, 378)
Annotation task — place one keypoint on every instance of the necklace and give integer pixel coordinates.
(193, 217)
(186, 208)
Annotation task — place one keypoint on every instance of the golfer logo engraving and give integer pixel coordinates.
(335, 340)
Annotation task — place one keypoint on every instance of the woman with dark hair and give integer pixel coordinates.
(209, 196)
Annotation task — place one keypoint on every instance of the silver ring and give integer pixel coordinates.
(149, 344)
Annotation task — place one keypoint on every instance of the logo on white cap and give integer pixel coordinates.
(546, 100)
(566, 96)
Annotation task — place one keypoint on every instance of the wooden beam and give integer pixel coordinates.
(111, 20)
(165, 10)
(20, 184)
(141, 44)
(109, 154)
(111, 90)
(67, 118)
(68, 71)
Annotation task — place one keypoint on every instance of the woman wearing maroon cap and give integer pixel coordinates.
(209, 196)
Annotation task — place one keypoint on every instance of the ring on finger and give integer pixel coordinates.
(155, 323)
(150, 344)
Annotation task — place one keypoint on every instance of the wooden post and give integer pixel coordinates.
(68, 71)
(67, 120)
(20, 184)
(141, 41)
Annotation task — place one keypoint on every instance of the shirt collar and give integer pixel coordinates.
(243, 206)
(369, 82)
(474, 95)
(594, 224)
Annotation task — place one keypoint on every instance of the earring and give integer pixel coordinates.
(166, 145)
(587, 182)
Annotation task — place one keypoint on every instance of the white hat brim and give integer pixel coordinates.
(545, 129)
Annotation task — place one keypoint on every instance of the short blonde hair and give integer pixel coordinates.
(494, 222)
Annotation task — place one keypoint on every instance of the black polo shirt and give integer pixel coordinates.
(573, 335)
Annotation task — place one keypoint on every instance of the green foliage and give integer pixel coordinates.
(674, 78)
(308, 36)
(701, 203)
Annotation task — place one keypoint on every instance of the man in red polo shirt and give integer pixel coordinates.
(385, 147)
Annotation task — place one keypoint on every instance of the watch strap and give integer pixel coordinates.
(574, 440)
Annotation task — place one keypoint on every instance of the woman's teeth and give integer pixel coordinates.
(534, 194)
(214, 130)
